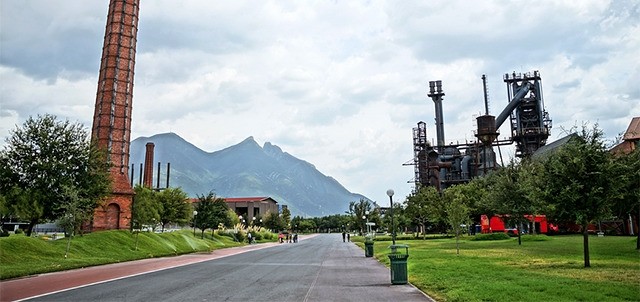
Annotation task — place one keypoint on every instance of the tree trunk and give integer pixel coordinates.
(585, 236)
(457, 243)
(32, 223)
(202, 234)
(638, 226)
(519, 233)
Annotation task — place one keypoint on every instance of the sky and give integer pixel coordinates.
(339, 84)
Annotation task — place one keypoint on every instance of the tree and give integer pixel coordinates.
(457, 212)
(426, 205)
(46, 159)
(212, 212)
(628, 166)
(145, 209)
(358, 210)
(175, 207)
(286, 217)
(273, 221)
(510, 195)
(581, 182)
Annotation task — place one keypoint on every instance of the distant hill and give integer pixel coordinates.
(244, 170)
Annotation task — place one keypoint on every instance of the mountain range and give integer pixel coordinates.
(244, 170)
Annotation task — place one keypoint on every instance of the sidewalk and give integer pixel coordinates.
(347, 275)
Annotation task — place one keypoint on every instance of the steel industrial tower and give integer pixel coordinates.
(112, 116)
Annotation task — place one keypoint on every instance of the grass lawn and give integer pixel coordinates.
(541, 269)
(22, 256)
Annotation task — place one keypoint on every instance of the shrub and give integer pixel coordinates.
(538, 237)
(4, 233)
(19, 231)
(491, 236)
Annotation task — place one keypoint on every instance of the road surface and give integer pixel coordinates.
(320, 268)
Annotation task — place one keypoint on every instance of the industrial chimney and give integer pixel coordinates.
(112, 116)
(436, 94)
(148, 166)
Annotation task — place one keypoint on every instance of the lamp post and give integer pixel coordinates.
(366, 213)
(393, 229)
(195, 215)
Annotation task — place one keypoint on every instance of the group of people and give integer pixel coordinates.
(346, 236)
(286, 237)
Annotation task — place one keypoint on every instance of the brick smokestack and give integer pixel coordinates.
(148, 166)
(112, 116)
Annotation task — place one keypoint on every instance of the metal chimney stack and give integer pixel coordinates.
(436, 94)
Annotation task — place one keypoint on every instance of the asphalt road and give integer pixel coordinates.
(322, 268)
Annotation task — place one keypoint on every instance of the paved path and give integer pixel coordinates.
(318, 268)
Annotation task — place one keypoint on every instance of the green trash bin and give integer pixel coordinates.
(368, 248)
(398, 261)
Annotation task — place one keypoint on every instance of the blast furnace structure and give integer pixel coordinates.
(442, 166)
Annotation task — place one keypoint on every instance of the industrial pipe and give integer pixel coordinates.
(524, 89)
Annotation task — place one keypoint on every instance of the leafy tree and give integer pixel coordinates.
(286, 217)
(145, 209)
(510, 195)
(175, 207)
(457, 212)
(307, 225)
(581, 182)
(426, 205)
(212, 212)
(295, 222)
(46, 159)
(358, 210)
(628, 166)
(481, 203)
(273, 221)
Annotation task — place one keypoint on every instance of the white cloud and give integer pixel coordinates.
(338, 84)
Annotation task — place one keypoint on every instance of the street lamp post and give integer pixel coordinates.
(195, 215)
(393, 229)
(366, 213)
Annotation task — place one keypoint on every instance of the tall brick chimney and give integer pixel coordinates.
(147, 181)
(112, 116)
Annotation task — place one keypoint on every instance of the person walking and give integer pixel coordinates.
(249, 238)
(348, 237)
(343, 236)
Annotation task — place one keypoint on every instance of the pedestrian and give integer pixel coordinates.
(348, 237)
(249, 237)
(343, 236)
(280, 237)
(295, 238)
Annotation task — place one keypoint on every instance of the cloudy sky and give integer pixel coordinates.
(339, 84)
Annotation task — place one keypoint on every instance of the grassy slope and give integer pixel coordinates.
(545, 270)
(21, 255)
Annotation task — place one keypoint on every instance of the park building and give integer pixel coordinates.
(250, 208)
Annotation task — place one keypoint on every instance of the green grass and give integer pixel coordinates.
(22, 256)
(541, 269)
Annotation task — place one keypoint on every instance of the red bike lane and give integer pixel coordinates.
(38, 285)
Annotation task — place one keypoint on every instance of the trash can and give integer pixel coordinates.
(368, 248)
(398, 263)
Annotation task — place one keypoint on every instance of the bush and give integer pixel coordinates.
(491, 236)
(19, 231)
(4, 233)
(538, 237)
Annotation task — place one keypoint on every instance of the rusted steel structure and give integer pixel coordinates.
(445, 165)
(112, 116)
